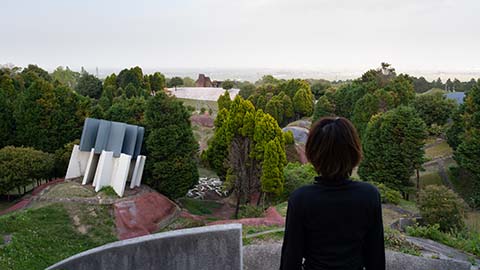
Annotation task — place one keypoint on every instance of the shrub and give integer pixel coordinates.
(250, 211)
(464, 240)
(297, 175)
(202, 110)
(289, 139)
(388, 195)
(394, 240)
(440, 205)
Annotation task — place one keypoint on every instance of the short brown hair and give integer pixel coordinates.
(333, 147)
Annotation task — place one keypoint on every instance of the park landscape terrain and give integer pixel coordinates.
(234, 160)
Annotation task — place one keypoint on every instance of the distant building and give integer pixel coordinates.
(203, 81)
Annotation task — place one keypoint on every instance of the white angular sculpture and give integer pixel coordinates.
(106, 153)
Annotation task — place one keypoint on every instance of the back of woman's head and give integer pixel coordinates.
(333, 147)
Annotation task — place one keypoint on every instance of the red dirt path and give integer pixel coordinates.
(141, 215)
(28, 198)
(272, 217)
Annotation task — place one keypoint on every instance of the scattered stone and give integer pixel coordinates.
(76, 220)
(207, 185)
(7, 239)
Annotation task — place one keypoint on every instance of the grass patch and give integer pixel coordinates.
(182, 223)
(396, 241)
(109, 192)
(44, 236)
(465, 240)
(204, 172)
(439, 150)
(282, 208)
(473, 221)
(199, 104)
(199, 207)
(430, 178)
(409, 206)
(268, 237)
(69, 190)
(5, 204)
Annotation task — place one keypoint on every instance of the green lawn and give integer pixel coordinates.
(204, 172)
(199, 207)
(4, 205)
(430, 178)
(44, 236)
(439, 150)
(198, 104)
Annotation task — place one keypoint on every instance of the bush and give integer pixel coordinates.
(202, 110)
(440, 205)
(250, 211)
(388, 195)
(297, 175)
(289, 139)
(20, 166)
(62, 158)
(463, 240)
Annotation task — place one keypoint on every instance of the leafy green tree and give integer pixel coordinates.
(89, 86)
(188, 82)
(303, 102)
(275, 159)
(227, 85)
(7, 100)
(434, 108)
(157, 81)
(46, 117)
(467, 153)
(275, 108)
(288, 110)
(267, 79)
(402, 87)
(319, 87)
(131, 76)
(129, 111)
(456, 130)
(174, 82)
(323, 108)
(291, 87)
(19, 167)
(131, 91)
(171, 146)
(224, 101)
(247, 90)
(393, 147)
(66, 76)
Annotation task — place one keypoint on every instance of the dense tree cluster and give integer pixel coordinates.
(393, 148)
(247, 150)
(421, 85)
(283, 100)
(20, 167)
(42, 111)
(464, 135)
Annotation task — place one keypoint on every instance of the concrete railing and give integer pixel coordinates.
(217, 247)
(213, 247)
(267, 257)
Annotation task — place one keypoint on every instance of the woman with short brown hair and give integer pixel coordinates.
(335, 223)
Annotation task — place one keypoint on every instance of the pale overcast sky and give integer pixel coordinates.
(290, 34)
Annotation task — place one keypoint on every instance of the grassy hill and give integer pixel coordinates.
(40, 237)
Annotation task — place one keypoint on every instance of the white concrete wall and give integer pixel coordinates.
(91, 167)
(77, 164)
(138, 172)
(120, 173)
(104, 170)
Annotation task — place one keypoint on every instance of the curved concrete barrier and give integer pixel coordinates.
(212, 247)
(267, 257)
